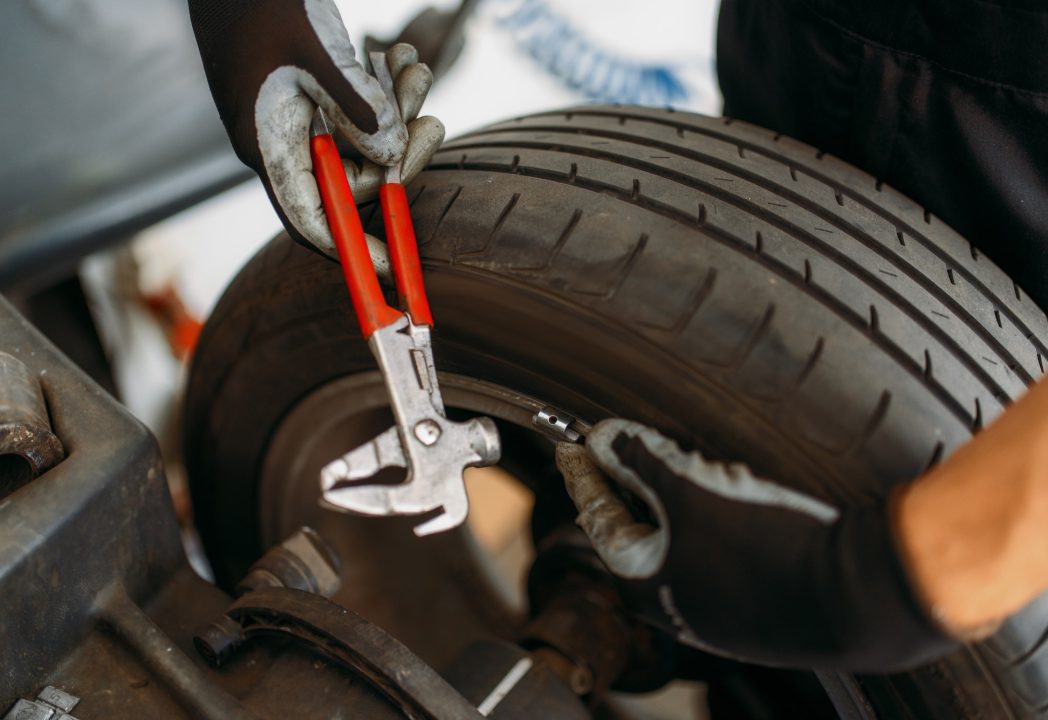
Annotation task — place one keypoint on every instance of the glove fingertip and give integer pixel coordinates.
(411, 88)
(426, 124)
(401, 56)
(425, 137)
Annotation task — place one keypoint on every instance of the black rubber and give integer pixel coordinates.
(745, 293)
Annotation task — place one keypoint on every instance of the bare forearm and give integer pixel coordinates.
(973, 530)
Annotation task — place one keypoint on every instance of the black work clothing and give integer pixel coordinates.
(945, 100)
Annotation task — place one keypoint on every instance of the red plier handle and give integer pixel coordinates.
(403, 252)
(372, 310)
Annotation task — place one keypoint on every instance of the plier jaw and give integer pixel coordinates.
(434, 450)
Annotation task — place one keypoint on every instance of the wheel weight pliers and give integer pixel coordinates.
(434, 450)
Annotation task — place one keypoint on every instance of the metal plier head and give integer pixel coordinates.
(434, 450)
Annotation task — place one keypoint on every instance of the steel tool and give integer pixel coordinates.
(434, 450)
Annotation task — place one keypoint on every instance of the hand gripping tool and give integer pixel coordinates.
(434, 450)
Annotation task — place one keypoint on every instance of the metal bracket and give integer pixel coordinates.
(350, 640)
(556, 424)
(50, 704)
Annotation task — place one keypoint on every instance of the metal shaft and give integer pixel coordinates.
(28, 447)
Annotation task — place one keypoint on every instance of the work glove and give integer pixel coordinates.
(271, 63)
(743, 567)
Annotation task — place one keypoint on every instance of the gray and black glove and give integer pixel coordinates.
(271, 63)
(746, 568)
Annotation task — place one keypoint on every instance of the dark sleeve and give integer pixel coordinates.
(945, 100)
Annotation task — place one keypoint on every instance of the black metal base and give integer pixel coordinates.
(99, 599)
(101, 605)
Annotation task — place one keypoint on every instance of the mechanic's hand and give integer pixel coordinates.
(271, 63)
(746, 568)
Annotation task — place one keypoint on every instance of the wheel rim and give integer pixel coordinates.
(446, 588)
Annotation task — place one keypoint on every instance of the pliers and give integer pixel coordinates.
(434, 450)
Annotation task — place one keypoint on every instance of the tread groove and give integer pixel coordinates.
(480, 252)
(963, 414)
(857, 233)
(876, 418)
(623, 271)
(754, 336)
(446, 210)
(809, 365)
(414, 196)
(935, 458)
(698, 296)
(557, 246)
(816, 175)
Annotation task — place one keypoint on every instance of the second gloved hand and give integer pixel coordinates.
(271, 63)
(744, 567)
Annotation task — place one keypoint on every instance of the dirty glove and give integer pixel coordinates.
(742, 567)
(271, 63)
